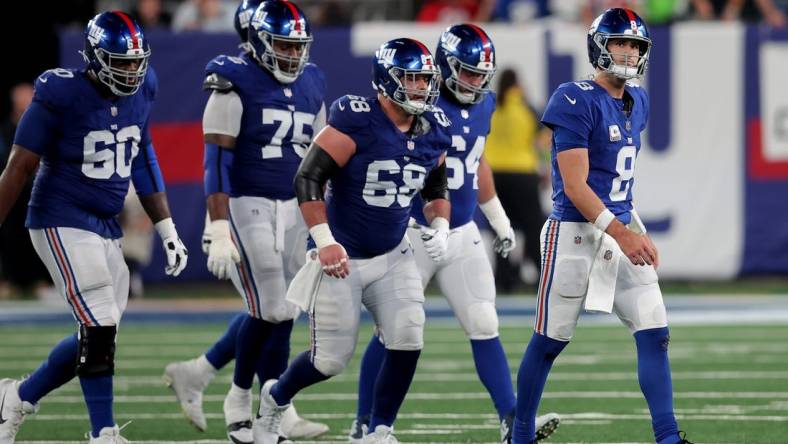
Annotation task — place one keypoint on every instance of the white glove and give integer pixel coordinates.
(206, 237)
(222, 254)
(436, 239)
(504, 234)
(503, 244)
(177, 254)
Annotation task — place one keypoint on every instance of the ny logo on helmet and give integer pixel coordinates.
(386, 56)
(95, 34)
(450, 41)
(426, 60)
(259, 17)
(244, 17)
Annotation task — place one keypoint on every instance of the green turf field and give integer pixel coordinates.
(731, 386)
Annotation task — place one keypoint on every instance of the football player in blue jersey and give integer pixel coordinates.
(375, 154)
(466, 57)
(257, 82)
(87, 133)
(595, 251)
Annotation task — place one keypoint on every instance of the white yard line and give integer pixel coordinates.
(422, 396)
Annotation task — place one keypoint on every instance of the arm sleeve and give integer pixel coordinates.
(218, 162)
(145, 172)
(223, 114)
(38, 128)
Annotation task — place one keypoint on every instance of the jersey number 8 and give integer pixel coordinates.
(625, 167)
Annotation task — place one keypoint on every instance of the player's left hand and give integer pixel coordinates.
(177, 254)
(436, 239)
(505, 242)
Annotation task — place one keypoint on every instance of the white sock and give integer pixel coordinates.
(205, 367)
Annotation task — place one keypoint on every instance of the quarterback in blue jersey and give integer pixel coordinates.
(375, 154)
(87, 132)
(288, 93)
(595, 251)
(466, 57)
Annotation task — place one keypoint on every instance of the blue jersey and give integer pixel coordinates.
(89, 145)
(583, 114)
(276, 125)
(469, 129)
(369, 200)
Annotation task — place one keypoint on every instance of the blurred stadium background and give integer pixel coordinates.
(712, 187)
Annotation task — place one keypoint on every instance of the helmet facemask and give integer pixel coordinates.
(464, 91)
(121, 81)
(415, 100)
(625, 70)
(285, 68)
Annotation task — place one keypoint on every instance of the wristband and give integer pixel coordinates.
(322, 236)
(604, 219)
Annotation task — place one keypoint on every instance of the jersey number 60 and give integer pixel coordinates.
(100, 164)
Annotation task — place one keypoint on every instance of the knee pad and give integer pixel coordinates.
(408, 331)
(482, 320)
(279, 311)
(330, 366)
(96, 351)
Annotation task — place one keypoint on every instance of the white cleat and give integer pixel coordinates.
(12, 410)
(188, 383)
(267, 425)
(296, 427)
(238, 415)
(546, 425)
(357, 431)
(108, 435)
(381, 435)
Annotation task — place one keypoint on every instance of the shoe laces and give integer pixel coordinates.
(272, 419)
(683, 436)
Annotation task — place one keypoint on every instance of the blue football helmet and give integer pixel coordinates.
(398, 65)
(618, 23)
(278, 24)
(114, 42)
(243, 15)
(465, 52)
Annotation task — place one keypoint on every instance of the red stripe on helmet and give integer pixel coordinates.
(485, 40)
(296, 15)
(424, 50)
(130, 25)
(633, 21)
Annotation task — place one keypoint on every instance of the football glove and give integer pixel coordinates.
(504, 234)
(177, 254)
(436, 239)
(222, 254)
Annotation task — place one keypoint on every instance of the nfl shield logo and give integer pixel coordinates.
(464, 114)
(578, 240)
(608, 255)
(288, 92)
(411, 145)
